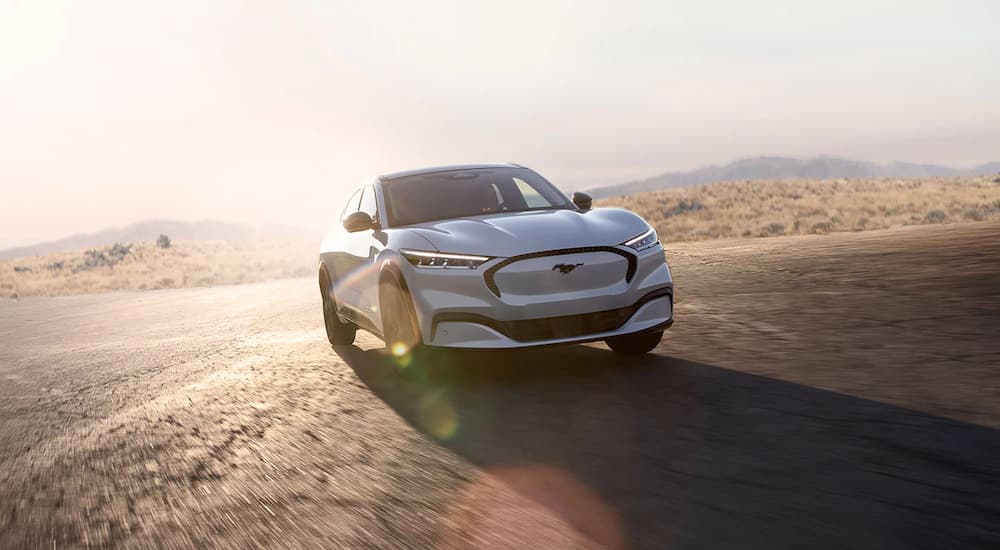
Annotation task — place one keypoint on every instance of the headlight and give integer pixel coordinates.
(442, 260)
(644, 241)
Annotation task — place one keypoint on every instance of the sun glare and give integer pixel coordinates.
(399, 349)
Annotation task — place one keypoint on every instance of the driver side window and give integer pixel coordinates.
(368, 203)
(532, 198)
(352, 205)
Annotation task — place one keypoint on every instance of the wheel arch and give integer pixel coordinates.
(390, 270)
(324, 279)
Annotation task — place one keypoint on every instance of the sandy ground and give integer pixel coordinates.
(837, 391)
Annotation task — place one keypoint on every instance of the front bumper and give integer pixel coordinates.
(457, 309)
(458, 330)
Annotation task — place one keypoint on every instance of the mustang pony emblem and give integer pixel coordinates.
(565, 268)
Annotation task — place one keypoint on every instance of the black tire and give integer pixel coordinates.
(635, 344)
(337, 332)
(399, 319)
(403, 341)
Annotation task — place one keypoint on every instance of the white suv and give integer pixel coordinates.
(490, 256)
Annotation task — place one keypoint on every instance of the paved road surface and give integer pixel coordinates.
(835, 391)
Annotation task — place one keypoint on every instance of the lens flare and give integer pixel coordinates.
(438, 416)
(399, 349)
(400, 355)
(531, 506)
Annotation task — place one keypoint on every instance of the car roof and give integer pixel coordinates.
(449, 168)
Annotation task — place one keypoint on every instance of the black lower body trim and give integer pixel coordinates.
(658, 328)
(549, 328)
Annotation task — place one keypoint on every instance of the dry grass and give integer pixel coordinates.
(796, 207)
(144, 266)
(714, 211)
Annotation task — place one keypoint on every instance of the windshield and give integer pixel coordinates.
(472, 192)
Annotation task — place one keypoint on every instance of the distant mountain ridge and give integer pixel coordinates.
(207, 230)
(769, 168)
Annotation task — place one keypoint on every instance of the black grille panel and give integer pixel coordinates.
(633, 262)
(567, 326)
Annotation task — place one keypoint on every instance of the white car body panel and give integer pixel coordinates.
(471, 308)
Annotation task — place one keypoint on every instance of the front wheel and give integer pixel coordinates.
(635, 344)
(337, 332)
(399, 319)
(400, 328)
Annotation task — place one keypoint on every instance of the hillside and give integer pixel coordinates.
(207, 230)
(774, 168)
(797, 207)
(714, 211)
(143, 266)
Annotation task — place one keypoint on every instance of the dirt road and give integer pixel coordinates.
(838, 391)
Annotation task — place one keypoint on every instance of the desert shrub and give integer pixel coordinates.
(935, 216)
(821, 227)
(691, 205)
(683, 206)
(772, 229)
(861, 223)
(163, 241)
(722, 230)
(974, 215)
(21, 269)
(94, 258)
(119, 250)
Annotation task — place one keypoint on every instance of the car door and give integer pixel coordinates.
(342, 261)
(361, 292)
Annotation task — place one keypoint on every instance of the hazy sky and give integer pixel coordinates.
(270, 112)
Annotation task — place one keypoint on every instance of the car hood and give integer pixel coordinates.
(525, 232)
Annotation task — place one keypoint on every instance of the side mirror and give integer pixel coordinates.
(582, 200)
(358, 221)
